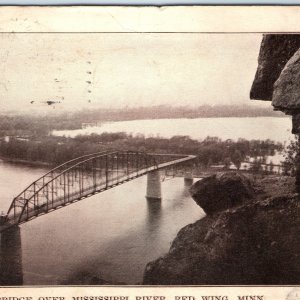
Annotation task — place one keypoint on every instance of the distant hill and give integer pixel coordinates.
(169, 112)
(156, 112)
(12, 123)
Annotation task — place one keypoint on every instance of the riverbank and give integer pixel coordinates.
(26, 162)
(256, 242)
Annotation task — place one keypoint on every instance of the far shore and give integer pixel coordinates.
(25, 162)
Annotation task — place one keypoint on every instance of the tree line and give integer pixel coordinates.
(211, 150)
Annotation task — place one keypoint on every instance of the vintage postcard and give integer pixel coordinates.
(149, 153)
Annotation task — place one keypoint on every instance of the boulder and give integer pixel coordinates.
(275, 52)
(222, 191)
(286, 94)
(257, 243)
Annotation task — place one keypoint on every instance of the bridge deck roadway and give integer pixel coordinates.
(176, 162)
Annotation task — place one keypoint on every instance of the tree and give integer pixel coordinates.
(271, 167)
(237, 159)
(227, 163)
(209, 163)
(256, 166)
(291, 155)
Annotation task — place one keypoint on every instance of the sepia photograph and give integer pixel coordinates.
(147, 157)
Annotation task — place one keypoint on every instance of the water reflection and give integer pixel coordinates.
(188, 182)
(154, 214)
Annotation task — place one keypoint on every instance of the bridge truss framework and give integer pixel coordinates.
(83, 177)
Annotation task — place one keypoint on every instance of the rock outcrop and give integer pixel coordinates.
(222, 191)
(255, 243)
(278, 73)
(286, 94)
(276, 50)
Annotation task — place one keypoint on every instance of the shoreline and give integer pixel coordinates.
(25, 162)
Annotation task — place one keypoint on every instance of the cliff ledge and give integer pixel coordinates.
(256, 242)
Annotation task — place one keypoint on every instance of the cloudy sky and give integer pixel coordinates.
(119, 69)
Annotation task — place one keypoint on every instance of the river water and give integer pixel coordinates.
(111, 235)
(274, 128)
(114, 234)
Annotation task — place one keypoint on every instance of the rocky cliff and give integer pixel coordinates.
(275, 51)
(253, 242)
(278, 74)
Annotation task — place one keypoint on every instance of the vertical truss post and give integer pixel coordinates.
(27, 210)
(68, 179)
(127, 171)
(80, 179)
(121, 163)
(52, 192)
(117, 166)
(94, 173)
(48, 198)
(65, 193)
(106, 170)
(34, 195)
(22, 211)
(14, 209)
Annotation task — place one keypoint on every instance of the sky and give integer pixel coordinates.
(87, 70)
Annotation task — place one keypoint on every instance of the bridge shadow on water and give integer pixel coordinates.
(11, 270)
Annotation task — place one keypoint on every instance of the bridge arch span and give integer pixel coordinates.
(82, 177)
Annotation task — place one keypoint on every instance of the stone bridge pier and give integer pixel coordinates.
(11, 271)
(153, 186)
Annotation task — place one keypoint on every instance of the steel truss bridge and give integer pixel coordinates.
(86, 176)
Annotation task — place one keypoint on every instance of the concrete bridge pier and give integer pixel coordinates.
(153, 186)
(188, 179)
(11, 271)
